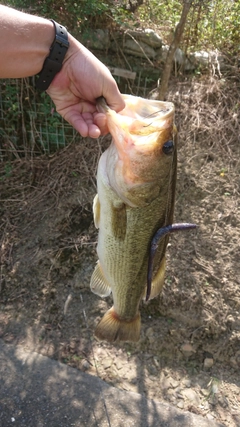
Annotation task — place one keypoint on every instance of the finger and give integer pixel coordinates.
(81, 122)
(113, 97)
(94, 131)
(100, 121)
(86, 127)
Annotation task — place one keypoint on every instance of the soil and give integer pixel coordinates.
(189, 350)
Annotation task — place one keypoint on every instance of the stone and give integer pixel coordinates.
(200, 58)
(208, 363)
(174, 383)
(148, 36)
(85, 365)
(222, 400)
(156, 362)
(210, 417)
(180, 404)
(152, 369)
(186, 382)
(187, 349)
(164, 52)
(236, 417)
(164, 382)
(205, 392)
(119, 362)
(149, 333)
(107, 363)
(139, 49)
(179, 57)
(191, 395)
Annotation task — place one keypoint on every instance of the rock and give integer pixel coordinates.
(164, 382)
(174, 383)
(205, 406)
(180, 404)
(85, 365)
(139, 49)
(203, 379)
(168, 382)
(237, 356)
(210, 417)
(164, 52)
(191, 395)
(213, 399)
(208, 363)
(205, 392)
(222, 400)
(186, 382)
(148, 36)
(118, 365)
(152, 38)
(200, 58)
(179, 57)
(236, 417)
(171, 396)
(107, 363)
(152, 370)
(187, 349)
(150, 333)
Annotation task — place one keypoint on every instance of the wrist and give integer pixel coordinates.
(54, 61)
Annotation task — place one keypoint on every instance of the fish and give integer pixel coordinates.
(133, 211)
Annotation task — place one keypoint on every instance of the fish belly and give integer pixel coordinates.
(123, 245)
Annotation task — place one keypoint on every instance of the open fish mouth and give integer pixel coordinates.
(140, 132)
(138, 118)
(133, 211)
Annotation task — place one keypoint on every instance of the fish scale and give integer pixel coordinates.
(136, 189)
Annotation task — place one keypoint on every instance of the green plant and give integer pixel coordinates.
(211, 24)
(7, 171)
(29, 122)
(76, 16)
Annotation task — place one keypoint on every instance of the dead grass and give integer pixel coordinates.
(208, 120)
(48, 253)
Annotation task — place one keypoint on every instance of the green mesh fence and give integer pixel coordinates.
(29, 123)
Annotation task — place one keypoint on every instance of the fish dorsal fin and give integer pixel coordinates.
(158, 281)
(98, 283)
(96, 211)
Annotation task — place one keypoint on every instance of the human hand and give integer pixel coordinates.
(74, 90)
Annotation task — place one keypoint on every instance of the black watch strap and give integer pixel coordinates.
(53, 63)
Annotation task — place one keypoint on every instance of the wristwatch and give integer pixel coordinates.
(53, 63)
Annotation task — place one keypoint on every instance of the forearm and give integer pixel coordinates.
(25, 43)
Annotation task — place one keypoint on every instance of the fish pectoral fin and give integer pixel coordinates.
(119, 220)
(96, 211)
(111, 328)
(98, 283)
(158, 281)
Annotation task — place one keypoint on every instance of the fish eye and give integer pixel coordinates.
(168, 147)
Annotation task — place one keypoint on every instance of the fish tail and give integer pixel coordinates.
(111, 328)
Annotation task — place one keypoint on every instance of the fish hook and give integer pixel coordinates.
(160, 233)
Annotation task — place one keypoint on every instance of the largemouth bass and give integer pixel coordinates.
(136, 181)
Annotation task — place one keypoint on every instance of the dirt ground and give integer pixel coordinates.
(189, 351)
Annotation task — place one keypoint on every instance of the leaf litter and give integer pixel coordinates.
(191, 333)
